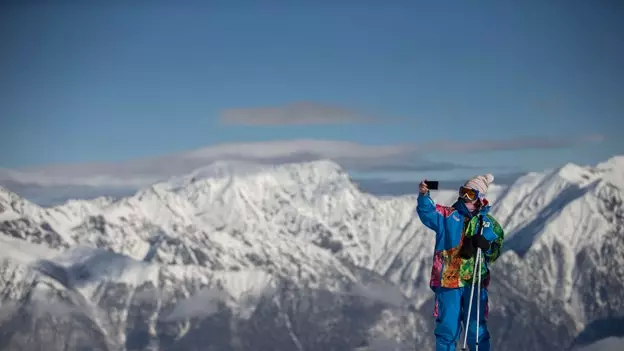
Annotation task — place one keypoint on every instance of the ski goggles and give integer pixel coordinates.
(468, 193)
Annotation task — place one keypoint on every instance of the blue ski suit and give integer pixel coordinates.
(451, 275)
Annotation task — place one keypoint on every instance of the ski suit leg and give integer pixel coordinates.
(448, 303)
(484, 335)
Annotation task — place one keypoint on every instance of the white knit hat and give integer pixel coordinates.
(480, 183)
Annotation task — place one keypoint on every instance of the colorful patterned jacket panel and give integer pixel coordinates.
(452, 224)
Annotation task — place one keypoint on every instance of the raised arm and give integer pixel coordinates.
(428, 212)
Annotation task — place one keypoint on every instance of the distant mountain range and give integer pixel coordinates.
(237, 256)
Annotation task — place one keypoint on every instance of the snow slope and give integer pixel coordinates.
(293, 219)
(558, 219)
(241, 231)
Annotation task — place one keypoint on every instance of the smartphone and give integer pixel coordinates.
(432, 184)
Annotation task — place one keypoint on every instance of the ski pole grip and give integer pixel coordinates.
(480, 224)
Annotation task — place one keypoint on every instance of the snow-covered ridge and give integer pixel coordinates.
(229, 169)
(295, 219)
(227, 196)
(244, 227)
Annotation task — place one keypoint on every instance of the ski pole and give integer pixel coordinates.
(478, 301)
(474, 274)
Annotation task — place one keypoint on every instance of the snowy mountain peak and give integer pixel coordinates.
(615, 163)
(13, 206)
(218, 169)
(576, 174)
(315, 170)
(7, 196)
(613, 170)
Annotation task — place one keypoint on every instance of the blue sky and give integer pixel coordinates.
(115, 82)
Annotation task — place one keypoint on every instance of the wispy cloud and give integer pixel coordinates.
(137, 173)
(353, 156)
(524, 143)
(297, 113)
(131, 175)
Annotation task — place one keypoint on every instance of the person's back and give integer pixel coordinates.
(460, 230)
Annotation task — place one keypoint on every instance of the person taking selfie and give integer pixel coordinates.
(465, 234)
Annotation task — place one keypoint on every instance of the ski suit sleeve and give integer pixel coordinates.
(495, 235)
(428, 213)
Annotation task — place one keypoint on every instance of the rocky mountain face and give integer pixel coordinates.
(296, 257)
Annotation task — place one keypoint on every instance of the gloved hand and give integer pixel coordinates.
(468, 248)
(480, 242)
